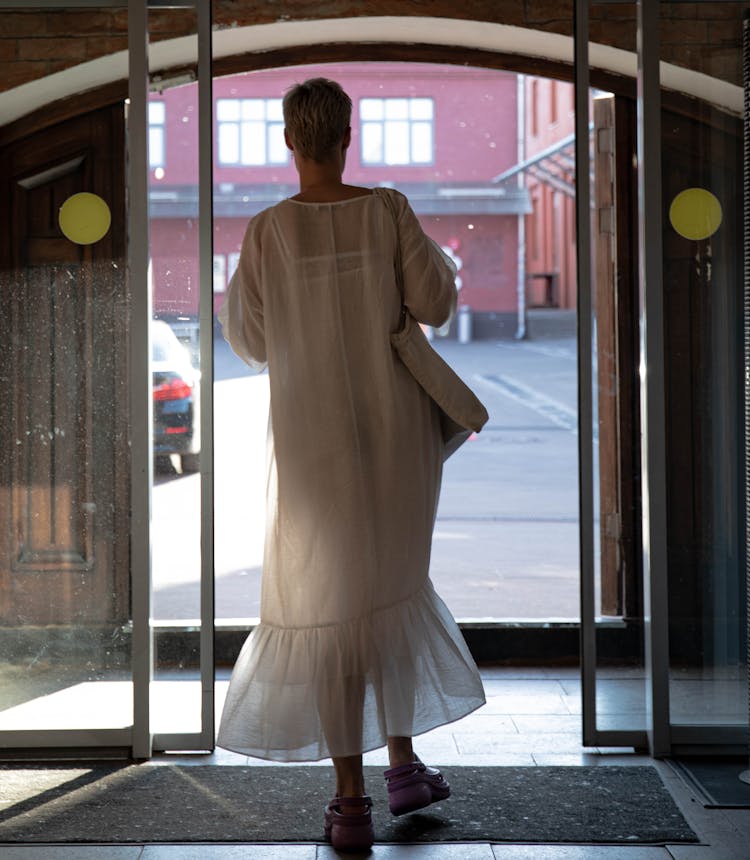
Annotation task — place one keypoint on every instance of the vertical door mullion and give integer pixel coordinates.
(204, 739)
(206, 317)
(585, 408)
(653, 445)
(141, 417)
(592, 735)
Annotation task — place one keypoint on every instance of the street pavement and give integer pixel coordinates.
(506, 539)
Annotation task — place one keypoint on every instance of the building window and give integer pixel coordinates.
(534, 108)
(250, 132)
(156, 122)
(396, 131)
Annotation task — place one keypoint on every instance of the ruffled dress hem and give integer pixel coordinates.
(296, 693)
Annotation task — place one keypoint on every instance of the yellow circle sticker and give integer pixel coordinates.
(695, 213)
(85, 218)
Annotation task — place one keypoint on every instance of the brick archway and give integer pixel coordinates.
(53, 97)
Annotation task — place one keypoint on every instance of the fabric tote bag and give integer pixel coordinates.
(461, 411)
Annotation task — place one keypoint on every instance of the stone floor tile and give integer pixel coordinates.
(618, 756)
(562, 672)
(435, 742)
(218, 756)
(520, 704)
(71, 852)
(700, 852)
(529, 687)
(739, 818)
(492, 723)
(579, 852)
(612, 696)
(436, 851)
(569, 723)
(566, 759)
(589, 756)
(571, 686)
(573, 704)
(261, 762)
(477, 743)
(513, 672)
(620, 672)
(229, 852)
(490, 758)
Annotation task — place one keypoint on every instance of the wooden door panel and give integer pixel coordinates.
(51, 482)
(64, 470)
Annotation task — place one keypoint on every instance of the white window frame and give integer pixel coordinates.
(157, 133)
(256, 127)
(383, 120)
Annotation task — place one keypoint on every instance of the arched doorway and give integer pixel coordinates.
(554, 64)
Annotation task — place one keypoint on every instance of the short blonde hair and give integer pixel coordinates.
(317, 114)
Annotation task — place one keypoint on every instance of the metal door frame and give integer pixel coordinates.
(656, 736)
(138, 737)
(660, 736)
(145, 742)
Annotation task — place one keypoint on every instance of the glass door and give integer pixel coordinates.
(613, 666)
(683, 611)
(179, 274)
(98, 384)
(704, 379)
(66, 620)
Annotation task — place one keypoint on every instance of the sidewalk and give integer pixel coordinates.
(506, 539)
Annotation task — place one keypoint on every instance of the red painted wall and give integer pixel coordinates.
(474, 109)
(174, 266)
(488, 249)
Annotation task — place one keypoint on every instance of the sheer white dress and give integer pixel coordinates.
(353, 643)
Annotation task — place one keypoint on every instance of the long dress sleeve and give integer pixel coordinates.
(241, 314)
(429, 274)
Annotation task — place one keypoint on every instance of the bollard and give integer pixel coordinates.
(464, 324)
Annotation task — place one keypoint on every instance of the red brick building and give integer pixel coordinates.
(440, 134)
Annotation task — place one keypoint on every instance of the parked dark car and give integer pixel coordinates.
(176, 398)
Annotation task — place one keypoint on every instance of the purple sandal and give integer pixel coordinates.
(414, 786)
(349, 831)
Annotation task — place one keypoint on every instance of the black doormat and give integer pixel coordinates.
(716, 779)
(209, 803)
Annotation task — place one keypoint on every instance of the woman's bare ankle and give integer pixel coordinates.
(350, 789)
(349, 777)
(400, 751)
